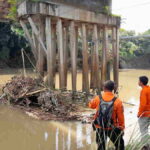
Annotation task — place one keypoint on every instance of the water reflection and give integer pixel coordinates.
(18, 131)
(69, 139)
(57, 138)
(46, 136)
(79, 136)
(88, 136)
(71, 136)
(63, 142)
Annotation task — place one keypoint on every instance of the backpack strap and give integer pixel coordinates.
(114, 99)
(101, 99)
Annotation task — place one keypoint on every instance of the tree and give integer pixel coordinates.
(127, 47)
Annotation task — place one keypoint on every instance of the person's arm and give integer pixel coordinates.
(94, 102)
(143, 102)
(120, 115)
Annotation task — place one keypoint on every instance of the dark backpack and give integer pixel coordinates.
(104, 114)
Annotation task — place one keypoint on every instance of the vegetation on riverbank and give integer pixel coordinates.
(134, 47)
(134, 50)
(13, 9)
(12, 40)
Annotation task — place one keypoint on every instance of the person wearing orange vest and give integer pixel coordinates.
(116, 132)
(144, 109)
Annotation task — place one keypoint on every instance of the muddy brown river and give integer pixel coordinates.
(19, 131)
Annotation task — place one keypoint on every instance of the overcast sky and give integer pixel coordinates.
(135, 14)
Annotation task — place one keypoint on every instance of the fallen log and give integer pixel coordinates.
(36, 92)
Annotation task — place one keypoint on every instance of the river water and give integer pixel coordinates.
(18, 131)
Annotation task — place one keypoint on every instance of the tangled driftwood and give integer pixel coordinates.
(20, 87)
(30, 93)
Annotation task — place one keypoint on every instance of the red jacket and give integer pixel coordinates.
(144, 108)
(118, 111)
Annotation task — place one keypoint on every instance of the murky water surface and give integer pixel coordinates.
(20, 132)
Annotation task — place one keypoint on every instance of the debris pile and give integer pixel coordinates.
(32, 96)
(51, 101)
(20, 87)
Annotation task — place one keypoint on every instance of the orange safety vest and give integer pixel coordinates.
(144, 108)
(118, 110)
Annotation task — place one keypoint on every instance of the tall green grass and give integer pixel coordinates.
(134, 142)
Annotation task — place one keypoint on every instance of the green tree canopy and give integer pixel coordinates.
(134, 47)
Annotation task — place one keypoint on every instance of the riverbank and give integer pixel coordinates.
(140, 62)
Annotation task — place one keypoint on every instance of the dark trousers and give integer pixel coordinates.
(115, 136)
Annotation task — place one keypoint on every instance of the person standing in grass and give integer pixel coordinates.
(109, 118)
(144, 109)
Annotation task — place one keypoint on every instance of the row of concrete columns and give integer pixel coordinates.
(58, 40)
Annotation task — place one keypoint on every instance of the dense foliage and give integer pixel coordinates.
(13, 9)
(134, 47)
(11, 42)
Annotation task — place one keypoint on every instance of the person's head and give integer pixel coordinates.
(143, 80)
(109, 86)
